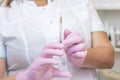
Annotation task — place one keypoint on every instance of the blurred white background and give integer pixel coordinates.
(109, 12)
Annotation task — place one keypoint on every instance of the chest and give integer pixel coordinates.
(46, 26)
(25, 36)
(33, 32)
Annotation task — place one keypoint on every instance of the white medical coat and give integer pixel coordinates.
(26, 28)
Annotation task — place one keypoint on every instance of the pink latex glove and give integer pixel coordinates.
(42, 67)
(76, 49)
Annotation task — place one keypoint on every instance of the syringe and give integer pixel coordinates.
(63, 58)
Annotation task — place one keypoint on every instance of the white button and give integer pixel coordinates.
(52, 0)
(51, 21)
(44, 8)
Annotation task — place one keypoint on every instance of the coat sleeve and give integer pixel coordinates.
(96, 22)
(2, 46)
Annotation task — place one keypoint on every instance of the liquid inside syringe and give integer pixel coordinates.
(60, 30)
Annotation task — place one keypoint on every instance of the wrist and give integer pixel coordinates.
(81, 60)
(23, 76)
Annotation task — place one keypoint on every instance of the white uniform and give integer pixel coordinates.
(26, 28)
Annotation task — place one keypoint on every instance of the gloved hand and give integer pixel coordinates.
(42, 67)
(76, 49)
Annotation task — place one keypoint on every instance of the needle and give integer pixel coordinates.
(60, 32)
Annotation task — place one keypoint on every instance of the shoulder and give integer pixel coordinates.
(2, 14)
(69, 4)
(8, 14)
(78, 2)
